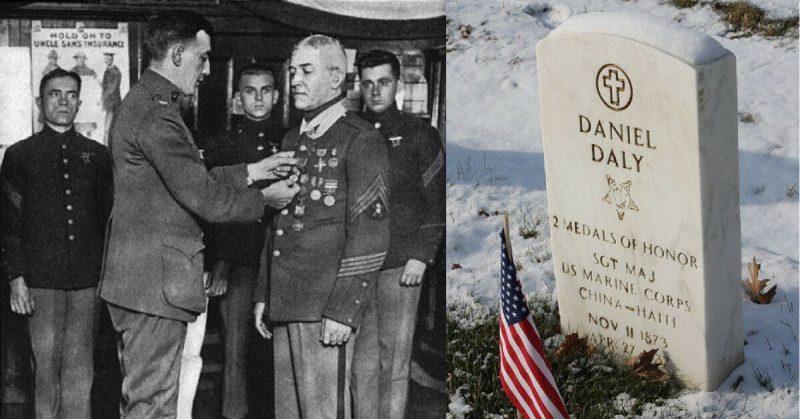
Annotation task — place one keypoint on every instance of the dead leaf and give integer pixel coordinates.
(455, 266)
(755, 287)
(465, 30)
(643, 366)
(573, 344)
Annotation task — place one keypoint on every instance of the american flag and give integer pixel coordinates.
(524, 371)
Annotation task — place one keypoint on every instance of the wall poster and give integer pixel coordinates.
(99, 56)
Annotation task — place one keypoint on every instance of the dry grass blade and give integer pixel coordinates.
(756, 286)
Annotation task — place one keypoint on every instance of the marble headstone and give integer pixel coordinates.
(639, 129)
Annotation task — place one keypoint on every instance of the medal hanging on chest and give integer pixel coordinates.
(299, 209)
(330, 186)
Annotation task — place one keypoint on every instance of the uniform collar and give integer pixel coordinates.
(324, 120)
(391, 113)
(247, 124)
(312, 114)
(163, 91)
(49, 133)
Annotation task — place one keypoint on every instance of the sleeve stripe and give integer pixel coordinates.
(378, 262)
(358, 265)
(433, 169)
(13, 195)
(377, 185)
(354, 273)
(380, 255)
(377, 189)
(367, 268)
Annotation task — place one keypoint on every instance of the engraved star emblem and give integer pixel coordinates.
(619, 196)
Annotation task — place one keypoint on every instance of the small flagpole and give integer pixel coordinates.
(507, 233)
(508, 237)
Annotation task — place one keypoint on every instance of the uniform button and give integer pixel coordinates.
(68, 191)
(65, 161)
(276, 253)
(260, 134)
(63, 146)
(69, 207)
(66, 175)
(364, 284)
(259, 148)
(349, 320)
(358, 302)
(72, 237)
(377, 125)
(279, 232)
(284, 211)
(70, 221)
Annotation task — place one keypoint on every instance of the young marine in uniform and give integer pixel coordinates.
(236, 247)
(417, 184)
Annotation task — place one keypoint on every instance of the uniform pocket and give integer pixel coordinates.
(183, 273)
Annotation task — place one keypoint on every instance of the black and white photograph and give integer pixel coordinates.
(223, 209)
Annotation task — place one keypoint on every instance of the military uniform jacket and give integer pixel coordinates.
(331, 241)
(56, 197)
(417, 185)
(154, 260)
(248, 142)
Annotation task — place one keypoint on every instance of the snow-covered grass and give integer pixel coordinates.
(495, 165)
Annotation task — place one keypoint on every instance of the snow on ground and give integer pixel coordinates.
(495, 163)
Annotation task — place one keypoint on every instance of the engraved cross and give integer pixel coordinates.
(614, 85)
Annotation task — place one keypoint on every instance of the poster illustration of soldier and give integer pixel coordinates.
(98, 56)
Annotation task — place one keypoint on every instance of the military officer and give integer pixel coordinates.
(236, 248)
(417, 182)
(154, 262)
(56, 197)
(328, 244)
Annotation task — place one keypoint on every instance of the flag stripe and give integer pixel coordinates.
(541, 359)
(535, 376)
(540, 374)
(509, 386)
(524, 370)
(520, 381)
(535, 357)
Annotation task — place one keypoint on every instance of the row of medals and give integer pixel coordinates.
(321, 188)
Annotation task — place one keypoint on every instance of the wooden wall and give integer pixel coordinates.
(265, 30)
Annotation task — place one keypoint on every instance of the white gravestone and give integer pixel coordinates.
(639, 130)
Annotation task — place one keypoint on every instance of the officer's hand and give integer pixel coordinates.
(334, 333)
(412, 273)
(21, 298)
(218, 279)
(258, 316)
(276, 166)
(280, 193)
